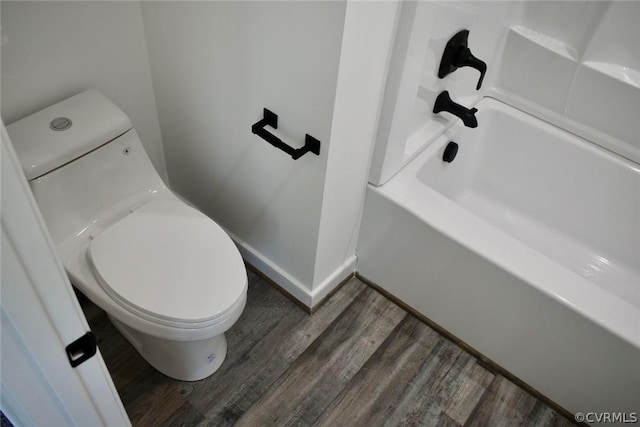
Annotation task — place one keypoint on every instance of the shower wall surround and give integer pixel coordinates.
(407, 123)
(575, 64)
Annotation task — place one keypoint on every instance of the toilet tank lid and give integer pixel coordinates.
(65, 131)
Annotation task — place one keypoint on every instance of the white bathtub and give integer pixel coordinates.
(526, 247)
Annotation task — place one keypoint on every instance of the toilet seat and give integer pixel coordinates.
(170, 264)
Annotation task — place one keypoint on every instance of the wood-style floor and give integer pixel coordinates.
(359, 360)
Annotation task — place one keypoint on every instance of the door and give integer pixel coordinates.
(40, 317)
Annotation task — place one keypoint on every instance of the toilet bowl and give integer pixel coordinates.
(169, 278)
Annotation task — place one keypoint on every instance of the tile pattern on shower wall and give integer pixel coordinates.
(358, 360)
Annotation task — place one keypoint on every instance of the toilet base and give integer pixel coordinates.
(182, 360)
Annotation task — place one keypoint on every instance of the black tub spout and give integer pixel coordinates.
(444, 103)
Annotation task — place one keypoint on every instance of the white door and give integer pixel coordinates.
(40, 318)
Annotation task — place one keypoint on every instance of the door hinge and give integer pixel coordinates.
(81, 349)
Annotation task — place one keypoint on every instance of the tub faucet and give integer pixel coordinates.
(444, 103)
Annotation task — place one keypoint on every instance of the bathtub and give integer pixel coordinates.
(526, 247)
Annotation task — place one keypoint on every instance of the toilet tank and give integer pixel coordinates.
(65, 131)
(84, 162)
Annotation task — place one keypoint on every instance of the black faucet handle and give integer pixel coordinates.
(457, 54)
(465, 58)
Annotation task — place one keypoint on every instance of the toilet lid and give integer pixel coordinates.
(169, 261)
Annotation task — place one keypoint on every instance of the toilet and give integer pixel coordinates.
(169, 278)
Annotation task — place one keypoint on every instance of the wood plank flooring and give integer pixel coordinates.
(359, 360)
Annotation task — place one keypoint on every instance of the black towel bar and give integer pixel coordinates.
(271, 119)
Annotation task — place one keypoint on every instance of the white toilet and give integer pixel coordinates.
(170, 279)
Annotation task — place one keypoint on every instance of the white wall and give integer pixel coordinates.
(208, 69)
(215, 70)
(52, 50)
(366, 51)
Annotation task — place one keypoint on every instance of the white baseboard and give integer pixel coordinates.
(297, 290)
(347, 269)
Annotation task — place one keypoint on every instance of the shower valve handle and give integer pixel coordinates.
(457, 54)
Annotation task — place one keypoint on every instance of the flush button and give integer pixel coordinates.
(60, 123)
